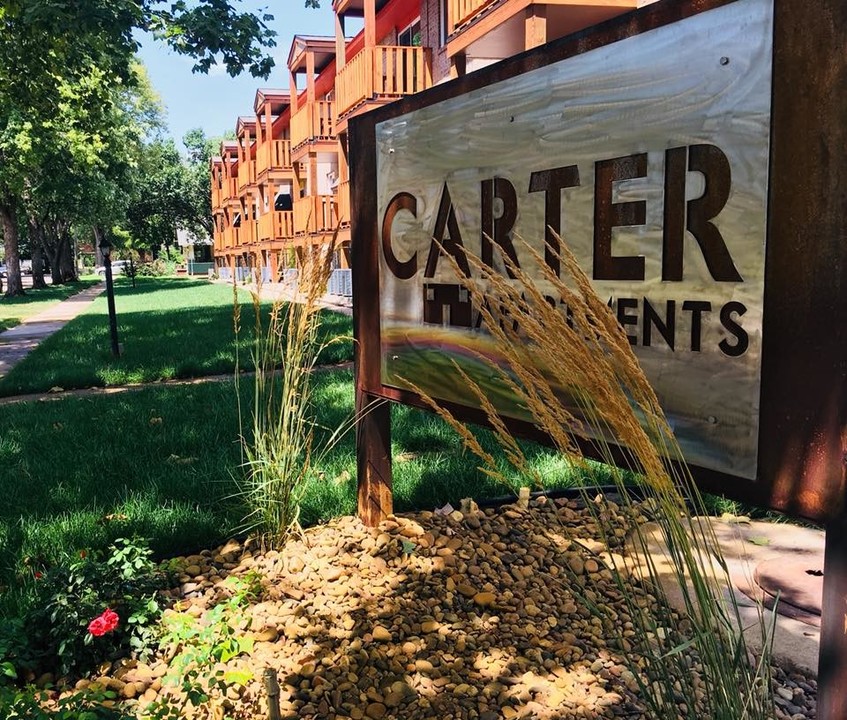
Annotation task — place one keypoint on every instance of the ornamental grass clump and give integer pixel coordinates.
(279, 449)
(575, 374)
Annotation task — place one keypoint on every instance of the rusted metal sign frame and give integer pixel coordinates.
(803, 406)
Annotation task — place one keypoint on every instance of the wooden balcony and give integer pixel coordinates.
(382, 73)
(460, 12)
(343, 199)
(315, 214)
(498, 27)
(315, 121)
(246, 174)
(275, 155)
(276, 225)
(229, 191)
(231, 238)
(249, 231)
(217, 195)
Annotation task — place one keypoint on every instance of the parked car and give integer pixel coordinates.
(3, 271)
(118, 268)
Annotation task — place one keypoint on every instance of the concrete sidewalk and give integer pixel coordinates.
(768, 563)
(17, 342)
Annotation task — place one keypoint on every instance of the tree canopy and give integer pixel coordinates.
(209, 31)
(74, 108)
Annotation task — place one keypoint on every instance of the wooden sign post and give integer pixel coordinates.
(693, 154)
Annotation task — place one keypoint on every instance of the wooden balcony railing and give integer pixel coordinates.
(217, 195)
(274, 155)
(314, 214)
(231, 238)
(313, 121)
(246, 174)
(229, 190)
(461, 11)
(276, 225)
(248, 231)
(344, 202)
(384, 72)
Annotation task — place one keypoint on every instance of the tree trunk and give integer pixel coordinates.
(53, 248)
(98, 253)
(9, 220)
(66, 258)
(55, 268)
(36, 242)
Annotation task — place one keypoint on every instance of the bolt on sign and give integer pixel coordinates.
(659, 147)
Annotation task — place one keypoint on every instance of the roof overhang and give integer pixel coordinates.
(277, 100)
(323, 49)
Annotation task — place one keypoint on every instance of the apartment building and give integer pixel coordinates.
(283, 185)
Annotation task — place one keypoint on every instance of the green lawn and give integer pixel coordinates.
(14, 310)
(169, 328)
(163, 463)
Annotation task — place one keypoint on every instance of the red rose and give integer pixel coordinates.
(104, 623)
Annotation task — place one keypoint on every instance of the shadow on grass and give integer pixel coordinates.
(160, 342)
(164, 463)
(430, 465)
(143, 285)
(77, 473)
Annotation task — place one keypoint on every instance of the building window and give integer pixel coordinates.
(411, 36)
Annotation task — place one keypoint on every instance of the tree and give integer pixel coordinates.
(159, 200)
(200, 150)
(83, 173)
(207, 30)
(48, 50)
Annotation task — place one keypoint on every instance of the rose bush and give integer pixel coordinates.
(54, 632)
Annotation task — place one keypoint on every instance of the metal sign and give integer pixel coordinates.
(650, 158)
(651, 144)
(688, 153)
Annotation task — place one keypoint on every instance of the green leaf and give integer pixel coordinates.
(409, 547)
(238, 677)
(680, 648)
(245, 644)
(760, 540)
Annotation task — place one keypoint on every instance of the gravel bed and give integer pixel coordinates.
(432, 615)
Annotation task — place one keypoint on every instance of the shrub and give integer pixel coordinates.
(196, 677)
(280, 455)
(29, 704)
(88, 610)
(154, 268)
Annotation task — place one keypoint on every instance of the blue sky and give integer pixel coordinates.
(214, 101)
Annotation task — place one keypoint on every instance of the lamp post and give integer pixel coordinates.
(106, 250)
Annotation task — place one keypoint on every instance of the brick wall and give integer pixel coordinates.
(431, 37)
